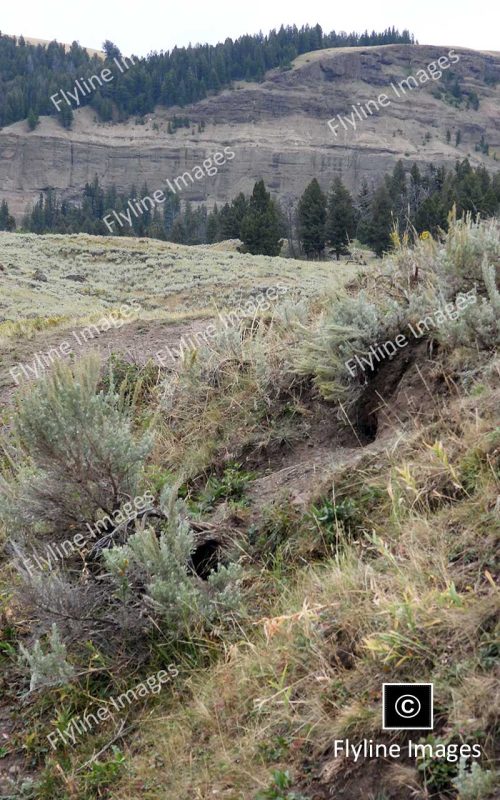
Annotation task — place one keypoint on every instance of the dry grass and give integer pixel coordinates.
(412, 601)
(164, 278)
(400, 590)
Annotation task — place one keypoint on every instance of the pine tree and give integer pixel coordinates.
(312, 219)
(379, 232)
(231, 216)
(33, 120)
(260, 227)
(397, 182)
(431, 214)
(178, 233)
(363, 212)
(213, 225)
(7, 222)
(66, 116)
(397, 187)
(341, 219)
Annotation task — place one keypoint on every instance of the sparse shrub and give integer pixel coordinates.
(231, 486)
(332, 517)
(274, 532)
(349, 325)
(104, 773)
(237, 385)
(278, 789)
(51, 667)
(86, 613)
(161, 565)
(78, 454)
(425, 277)
(133, 382)
(474, 784)
(478, 323)
(233, 357)
(478, 462)
(460, 260)
(276, 749)
(437, 772)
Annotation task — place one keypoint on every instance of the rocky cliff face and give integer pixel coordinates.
(277, 129)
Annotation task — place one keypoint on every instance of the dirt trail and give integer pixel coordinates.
(137, 341)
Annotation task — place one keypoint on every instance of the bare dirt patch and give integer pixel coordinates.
(403, 394)
(136, 341)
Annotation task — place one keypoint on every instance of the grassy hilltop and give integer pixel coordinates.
(313, 529)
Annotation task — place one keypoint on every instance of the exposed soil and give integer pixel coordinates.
(346, 780)
(402, 395)
(136, 341)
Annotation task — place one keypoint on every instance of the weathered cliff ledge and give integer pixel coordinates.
(277, 129)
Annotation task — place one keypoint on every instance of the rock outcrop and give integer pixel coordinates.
(277, 129)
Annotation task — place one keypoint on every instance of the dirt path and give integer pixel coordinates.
(137, 341)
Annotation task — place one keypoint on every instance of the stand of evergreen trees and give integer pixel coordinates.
(30, 74)
(258, 219)
(405, 198)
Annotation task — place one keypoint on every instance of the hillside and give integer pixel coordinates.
(322, 518)
(277, 128)
(51, 285)
(91, 51)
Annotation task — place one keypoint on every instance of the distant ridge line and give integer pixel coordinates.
(34, 40)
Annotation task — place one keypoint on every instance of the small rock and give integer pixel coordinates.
(78, 278)
(38, 275)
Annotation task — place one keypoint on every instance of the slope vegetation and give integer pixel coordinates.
(321, 520)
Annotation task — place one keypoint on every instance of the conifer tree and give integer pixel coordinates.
(66, 116)
(398, 192)
(312, 219)
(231, 216)
(33, 120)
(379, 231)
(363, 212)
(7, 222)
(260, 227)
(213, 225)
(341, 219)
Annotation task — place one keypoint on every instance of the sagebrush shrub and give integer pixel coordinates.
(459, 261)
(234, 357)
(476, 783)
(161, 565)
(479, 324)
(77, 452)
(51, 667)
(424, 279)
